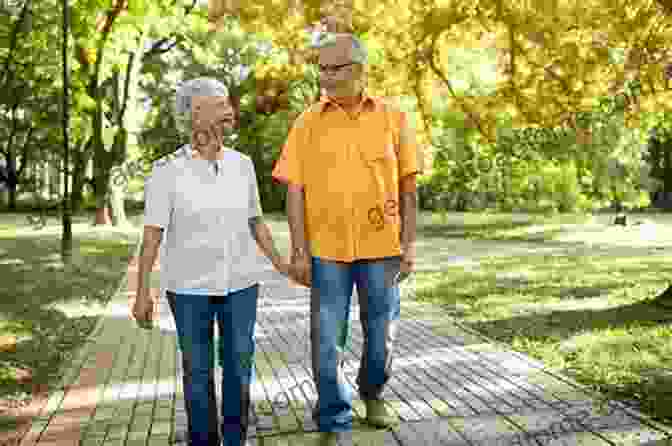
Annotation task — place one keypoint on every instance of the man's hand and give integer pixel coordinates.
(302, 270)
(407, 262)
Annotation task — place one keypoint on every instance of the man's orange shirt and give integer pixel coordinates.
(350, 168)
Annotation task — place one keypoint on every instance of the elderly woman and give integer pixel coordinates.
(205, 203)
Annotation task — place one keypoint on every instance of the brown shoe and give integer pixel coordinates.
(378, 415)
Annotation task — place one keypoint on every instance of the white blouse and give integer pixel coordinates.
(207, 247)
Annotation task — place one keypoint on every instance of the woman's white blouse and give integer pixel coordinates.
(207, 247)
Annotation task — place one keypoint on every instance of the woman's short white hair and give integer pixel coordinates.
(202, 86)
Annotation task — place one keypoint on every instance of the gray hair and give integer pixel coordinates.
(359, 53)
(202, 86)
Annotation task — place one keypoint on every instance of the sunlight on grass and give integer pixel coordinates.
(55, 306)
(583, 310)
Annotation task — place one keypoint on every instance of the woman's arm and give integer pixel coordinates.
(150, 247)
(262, 235)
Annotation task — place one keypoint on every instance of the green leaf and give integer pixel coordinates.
(138, 8)
(84, 101)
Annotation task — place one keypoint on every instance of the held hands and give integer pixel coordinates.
(143, 308)
(297, 271)
(282, 266)
(301, 270)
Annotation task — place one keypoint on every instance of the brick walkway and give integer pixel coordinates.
(451, 387)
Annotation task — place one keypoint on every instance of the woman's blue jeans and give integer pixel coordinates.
(236, 314)
(379, 311)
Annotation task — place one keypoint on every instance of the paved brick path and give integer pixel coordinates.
(451, 386)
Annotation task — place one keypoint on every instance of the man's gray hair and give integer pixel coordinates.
(202, 86)
(358, 54)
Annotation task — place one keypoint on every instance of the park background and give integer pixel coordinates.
(535, 118)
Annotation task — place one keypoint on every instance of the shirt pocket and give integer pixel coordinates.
(381, 152)
(381, 160)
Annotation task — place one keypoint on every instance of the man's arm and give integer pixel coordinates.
(295, 216)
(262, 235)
(408, 209)
(151, 239)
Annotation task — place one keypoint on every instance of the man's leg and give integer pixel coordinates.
(236, 316)
(379, 309)
(330, 298)
(195, 329)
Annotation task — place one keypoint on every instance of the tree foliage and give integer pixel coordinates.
(500, 91)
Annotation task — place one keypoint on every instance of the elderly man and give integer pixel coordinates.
(350, 163)
(205, 203)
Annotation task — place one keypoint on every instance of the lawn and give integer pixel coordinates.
(581, 302)
(48, 309)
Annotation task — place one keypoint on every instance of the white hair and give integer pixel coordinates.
(202, 86)
(358, 53)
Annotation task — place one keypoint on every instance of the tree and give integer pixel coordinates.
(66, 238)
(111, 50)
(25, 89)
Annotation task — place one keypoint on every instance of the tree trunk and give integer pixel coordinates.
(12, 196)
(105, 161)
(12, 181)
(101, 178)
(102, 216)
(77, 195)
(44, 173)
(117, 196)
(78, 179)
(667, 169)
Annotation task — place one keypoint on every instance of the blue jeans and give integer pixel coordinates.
(236, 314)
(379, 311)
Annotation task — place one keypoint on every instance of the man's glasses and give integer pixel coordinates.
(333, 68)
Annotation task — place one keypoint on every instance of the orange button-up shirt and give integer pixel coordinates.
(350, 168)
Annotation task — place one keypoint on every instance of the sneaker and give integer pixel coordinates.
(378, 415)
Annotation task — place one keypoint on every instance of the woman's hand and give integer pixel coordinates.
(282, 266)
(143, 308)
(301, 271)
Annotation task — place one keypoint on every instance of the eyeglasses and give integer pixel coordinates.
(333, 68)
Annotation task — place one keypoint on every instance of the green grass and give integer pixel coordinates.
(493, 226)
(584, 312)
(41, 288)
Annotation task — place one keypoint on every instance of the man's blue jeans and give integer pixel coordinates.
(379, 311)
(236, 314)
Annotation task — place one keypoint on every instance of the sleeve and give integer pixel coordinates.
(411, 158)
(289, 167)
(158, 197)
(254, 200)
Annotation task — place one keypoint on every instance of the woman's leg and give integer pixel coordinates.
(236, 316)
(194, 320)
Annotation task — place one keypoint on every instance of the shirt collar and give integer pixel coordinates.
(326, 101)
(186, 151)
(216, 164)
